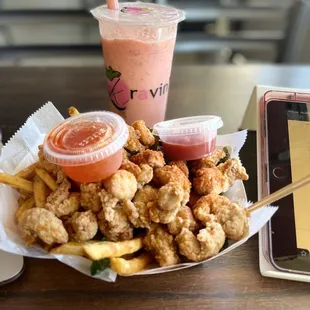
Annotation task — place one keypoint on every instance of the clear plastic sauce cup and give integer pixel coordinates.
(88, 146)
(189, 138)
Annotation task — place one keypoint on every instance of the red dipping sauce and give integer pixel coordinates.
(188, 138)
(196, 150)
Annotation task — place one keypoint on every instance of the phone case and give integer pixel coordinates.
(260, 96)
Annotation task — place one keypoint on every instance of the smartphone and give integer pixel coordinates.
(286, 159)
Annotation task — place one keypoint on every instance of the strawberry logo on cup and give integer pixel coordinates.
(118, 90)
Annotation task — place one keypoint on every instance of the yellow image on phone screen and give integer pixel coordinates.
(299, 139)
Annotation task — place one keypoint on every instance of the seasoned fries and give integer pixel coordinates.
(21, 200)
(27, 205)
(72, 111)
(16, 182)
(27, 173)
(47, 178)
(126, 267)
(70, 248)
(105, 249)
(41, 192)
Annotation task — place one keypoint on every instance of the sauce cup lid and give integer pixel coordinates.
(188, 125)
(85, 139)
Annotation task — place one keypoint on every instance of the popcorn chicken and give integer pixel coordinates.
(90, 199)
(84, 226)
(146, 136)
(122, 185)
(133, 144)
(155, 159)
(39, 222)
(207, 243)
(113, 221)
(162, 245)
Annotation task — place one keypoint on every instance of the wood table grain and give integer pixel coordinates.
(231, 282)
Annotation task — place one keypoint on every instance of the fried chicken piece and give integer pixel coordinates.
(210, 181)
(122, 185)
(68, 207)
(55, 170)
(193, 198)
(138, 210)
(138, 213)
(133, 144)
(219, 179)
(39, 222)
(84, 226)
(181, 165)
(233, 170)
(232, 217)
(167, 174)
(55, 201)
(113, 221)
(143, 174)
(60, 175)
(209, 204)
(45, 164)
(206, 244)
(162, 245)
(155, 159)
(125, 155)
(209, 161)
(146, 194)
(184, 218)
(234, 220)
(146, 136)
(90, 199)
(169, 201)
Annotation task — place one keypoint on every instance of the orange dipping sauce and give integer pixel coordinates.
(97, 171)
(88, 146)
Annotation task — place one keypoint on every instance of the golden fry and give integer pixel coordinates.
(21, 200)
(125, 267)
(16, 182)
(27, 205)
(47, 178)
(27, 173)
(106, 249)
(72, 111)
(71, 248)
(41, 192)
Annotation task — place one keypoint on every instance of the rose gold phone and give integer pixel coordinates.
(285, 159)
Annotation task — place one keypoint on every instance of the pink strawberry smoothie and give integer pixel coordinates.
(138, 76)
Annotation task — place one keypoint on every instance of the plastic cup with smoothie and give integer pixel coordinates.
(138, 42)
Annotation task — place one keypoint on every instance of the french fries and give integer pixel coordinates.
(71, 248)
(72, 111)
(41, 192)
(21, 200)
(126, 267)
(16, 182)
(27, 205)
(28, 173)
(47, 178)
(106, 249)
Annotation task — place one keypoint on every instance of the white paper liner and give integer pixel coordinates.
(21, 151)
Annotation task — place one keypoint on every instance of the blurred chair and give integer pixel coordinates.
(296, 45)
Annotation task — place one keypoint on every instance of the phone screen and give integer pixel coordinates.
(299, 140)
(288, 132)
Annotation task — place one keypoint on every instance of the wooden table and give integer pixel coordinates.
(231, 282)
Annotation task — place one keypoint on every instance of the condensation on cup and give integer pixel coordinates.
(138, 43)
